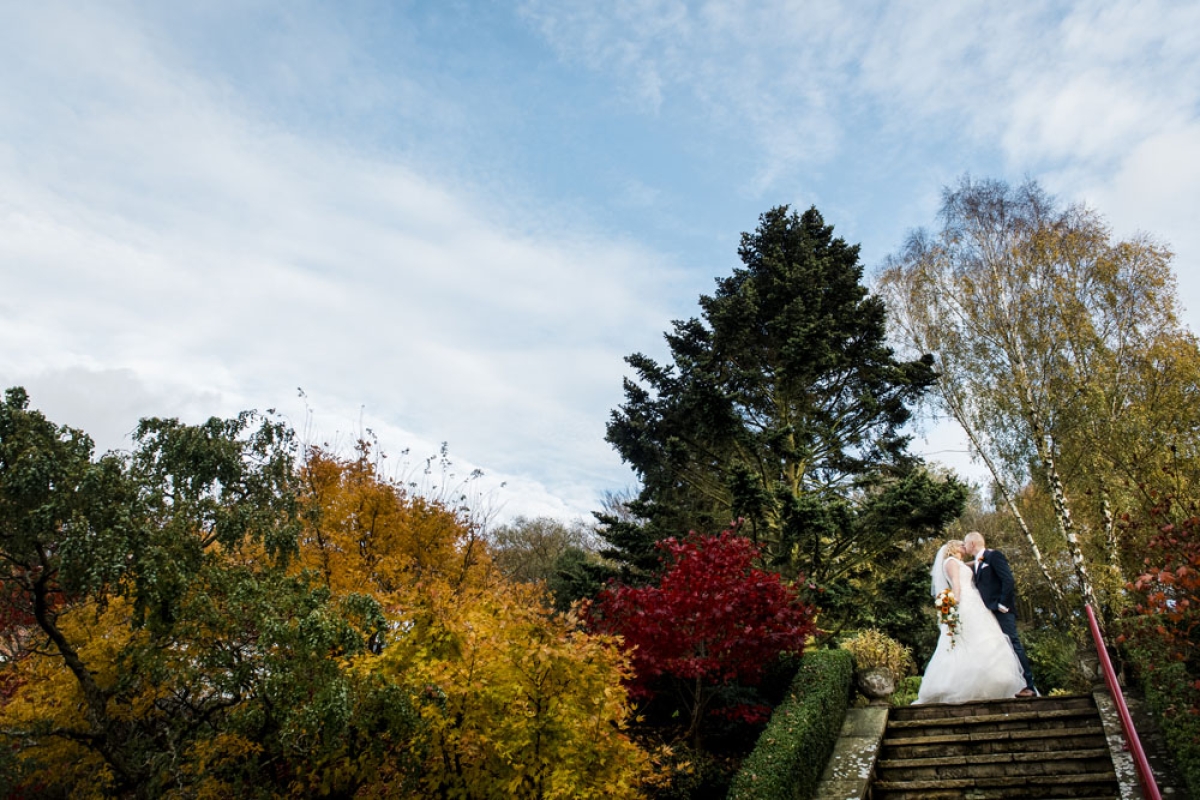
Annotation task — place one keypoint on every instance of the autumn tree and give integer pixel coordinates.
(1168, 590)
(784, 406)
(205, 617)
(366, 531)
(515, 700)
(522, 702)
(1160, 630)
(171, 650)
(1047, 336)
(527, 549)
(713, 619)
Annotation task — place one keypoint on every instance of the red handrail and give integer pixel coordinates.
(1140, 762)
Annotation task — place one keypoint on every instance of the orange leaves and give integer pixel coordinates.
(1165, 620)
(364, 532)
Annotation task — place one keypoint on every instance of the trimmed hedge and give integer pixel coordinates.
(791, 753)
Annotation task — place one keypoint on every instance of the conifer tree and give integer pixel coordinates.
(782, 406)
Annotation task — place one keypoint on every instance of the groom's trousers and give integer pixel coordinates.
(1008, 624)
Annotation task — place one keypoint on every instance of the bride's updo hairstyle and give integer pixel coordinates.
(954, 549)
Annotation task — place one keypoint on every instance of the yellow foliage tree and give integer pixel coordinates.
(516, 700)
(46, 712)
(522, 703)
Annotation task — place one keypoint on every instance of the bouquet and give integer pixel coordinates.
(947, 608)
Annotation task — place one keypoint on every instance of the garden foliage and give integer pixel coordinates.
(211, 616)
(1161, 633)
(713, 619)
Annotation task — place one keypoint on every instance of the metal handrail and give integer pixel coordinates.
(1140, 762)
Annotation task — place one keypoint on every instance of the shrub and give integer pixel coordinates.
(792, 751)
(906, 692)
(688, 774)
(872, 649)
(1160, 631)
(1054, 657)
(713, 619)
(1173, 695)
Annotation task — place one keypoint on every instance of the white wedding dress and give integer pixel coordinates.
(981, 664)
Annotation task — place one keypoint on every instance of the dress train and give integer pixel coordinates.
(978, 662)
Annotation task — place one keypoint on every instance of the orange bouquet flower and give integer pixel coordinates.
(947, 608)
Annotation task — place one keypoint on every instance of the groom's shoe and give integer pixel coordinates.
(1027, 693)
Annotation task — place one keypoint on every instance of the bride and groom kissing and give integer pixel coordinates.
(979, 655)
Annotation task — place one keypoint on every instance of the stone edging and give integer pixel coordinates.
(848, 773)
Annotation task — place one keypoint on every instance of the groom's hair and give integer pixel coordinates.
(974, 536)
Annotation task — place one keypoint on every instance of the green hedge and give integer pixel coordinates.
(791, 753)
(1170, 693)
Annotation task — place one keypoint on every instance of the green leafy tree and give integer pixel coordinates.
(783, 406)
(549, 551)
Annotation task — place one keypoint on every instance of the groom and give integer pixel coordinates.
(994, 580)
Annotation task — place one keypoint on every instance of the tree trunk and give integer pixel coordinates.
(956, 412)
(1062, 512)
(95, 699)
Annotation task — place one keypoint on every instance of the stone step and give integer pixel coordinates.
(990, 723)
(943, 710)
(1020, 748)
(985, 788)
(1065, 762)
(1015, 741)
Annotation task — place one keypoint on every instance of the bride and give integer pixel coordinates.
(974, 660)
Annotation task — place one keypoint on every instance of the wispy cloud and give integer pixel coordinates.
(1078, 80)
(760, 72)
(158, 240)
(1085, 95)
(208, 205)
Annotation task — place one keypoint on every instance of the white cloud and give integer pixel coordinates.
(158, 242)
(1093, 98)
(180, 239)
(1156, 190)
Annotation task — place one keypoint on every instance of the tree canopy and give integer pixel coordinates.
(209, 616)
(712, 619)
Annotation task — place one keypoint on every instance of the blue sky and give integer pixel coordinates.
(450, 222)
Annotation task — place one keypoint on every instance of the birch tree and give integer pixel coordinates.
(1041, 326)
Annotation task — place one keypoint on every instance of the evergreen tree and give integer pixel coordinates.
(783, 406)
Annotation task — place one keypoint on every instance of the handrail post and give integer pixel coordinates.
(1140, 762)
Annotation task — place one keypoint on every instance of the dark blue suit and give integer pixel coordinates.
(994, 579)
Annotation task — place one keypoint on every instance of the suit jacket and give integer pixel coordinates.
(994, 579)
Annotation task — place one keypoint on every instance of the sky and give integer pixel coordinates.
(449, 222)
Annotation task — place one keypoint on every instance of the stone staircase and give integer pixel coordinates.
(1046, 747)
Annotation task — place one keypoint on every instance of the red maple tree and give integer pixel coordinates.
(712, 619)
